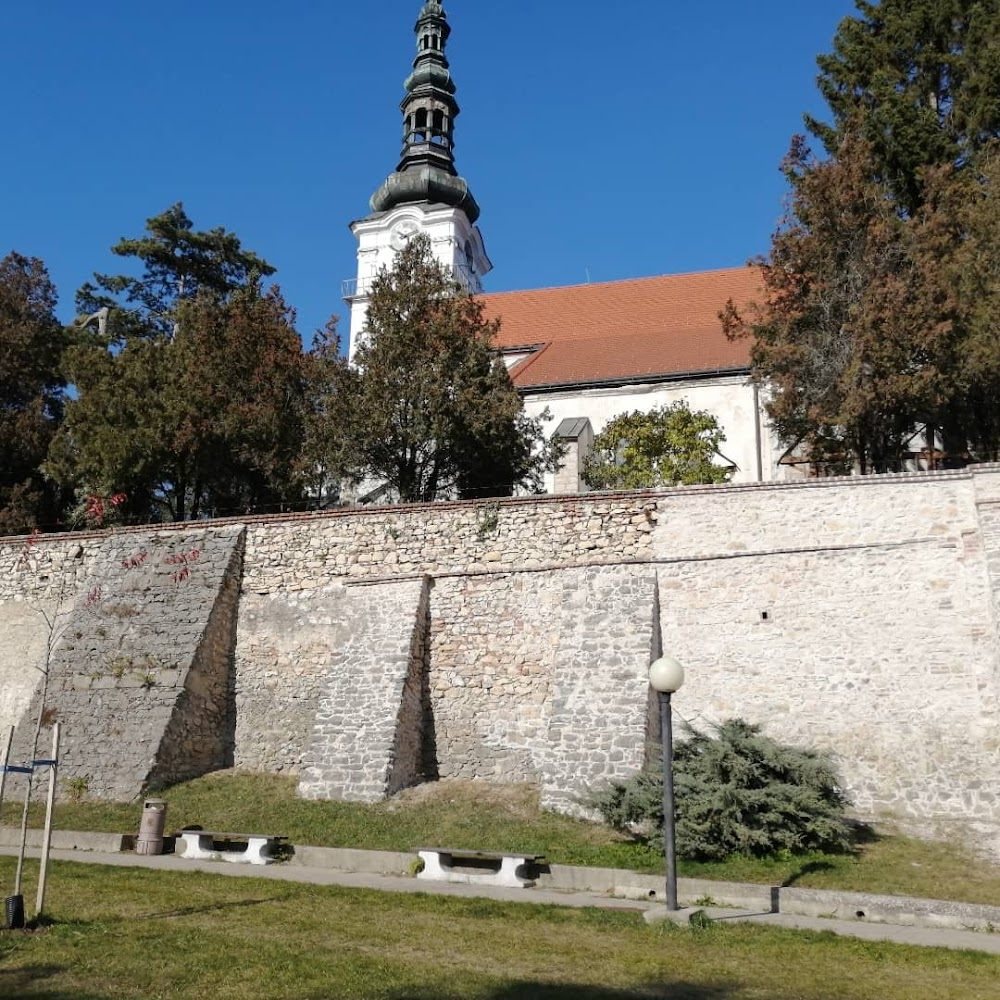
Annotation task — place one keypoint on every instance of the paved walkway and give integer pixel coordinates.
(923, 936)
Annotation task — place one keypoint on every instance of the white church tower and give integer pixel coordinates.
(425, 194)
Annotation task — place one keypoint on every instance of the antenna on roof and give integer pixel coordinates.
(586, 271)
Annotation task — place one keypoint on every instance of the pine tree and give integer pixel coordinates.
(208, 422)
(920, 81)
(178, 264)
(737, 792)
(860, 336)
(875, 326)
(191, 403)
(330, 453)
(974, 274)
(31, 392)
(430, 408)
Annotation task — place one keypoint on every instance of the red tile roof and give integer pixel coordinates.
(624, 330)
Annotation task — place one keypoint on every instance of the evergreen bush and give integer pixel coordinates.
(736, 792)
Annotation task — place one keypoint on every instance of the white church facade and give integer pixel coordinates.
(585, 353)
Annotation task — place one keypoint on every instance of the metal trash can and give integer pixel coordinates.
(14, 912)
(154, 820)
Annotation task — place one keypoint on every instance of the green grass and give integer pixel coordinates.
(135, 933)
(485, 817)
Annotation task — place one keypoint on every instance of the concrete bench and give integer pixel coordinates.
(478, 867)
(246, 848)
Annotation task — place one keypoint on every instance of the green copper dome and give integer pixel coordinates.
(430, 74)
(426, 171)
(425, 184)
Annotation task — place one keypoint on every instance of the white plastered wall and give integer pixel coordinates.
(730, 399)
(455, 243)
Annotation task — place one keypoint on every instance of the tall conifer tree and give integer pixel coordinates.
(920, 80)
(31, 392)
(877, 283)
(192, 402)
(430, 409)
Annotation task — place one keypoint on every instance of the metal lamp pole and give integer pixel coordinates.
(666, 675)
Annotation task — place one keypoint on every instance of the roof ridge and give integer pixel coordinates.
(620, 281)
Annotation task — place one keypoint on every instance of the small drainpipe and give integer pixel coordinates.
(756, 433)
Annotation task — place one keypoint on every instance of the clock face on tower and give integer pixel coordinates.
(401, 233)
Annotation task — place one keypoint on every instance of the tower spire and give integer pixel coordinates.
(424, 194)
(426, 170)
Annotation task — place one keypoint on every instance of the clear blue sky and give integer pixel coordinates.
(612, 139)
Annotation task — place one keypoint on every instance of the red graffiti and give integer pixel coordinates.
(29, 543)
(183, 558)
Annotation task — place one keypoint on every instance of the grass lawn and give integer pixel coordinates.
(488, 817)
(134, 933)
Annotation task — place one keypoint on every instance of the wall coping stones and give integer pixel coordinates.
(636, 496)
(509, 569)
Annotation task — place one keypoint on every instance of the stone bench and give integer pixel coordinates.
(246, 848)
(478, 867)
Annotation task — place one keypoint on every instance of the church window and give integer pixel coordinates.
(437, 129)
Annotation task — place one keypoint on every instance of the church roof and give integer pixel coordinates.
(624, 331)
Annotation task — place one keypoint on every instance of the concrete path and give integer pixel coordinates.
(922, 936)
(927, 937)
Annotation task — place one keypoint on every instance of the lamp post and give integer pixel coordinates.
(666, 675)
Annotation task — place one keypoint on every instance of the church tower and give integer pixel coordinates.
(425, 193)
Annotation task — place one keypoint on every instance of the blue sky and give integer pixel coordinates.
(609, 140)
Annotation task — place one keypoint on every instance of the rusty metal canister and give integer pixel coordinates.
(154, 820)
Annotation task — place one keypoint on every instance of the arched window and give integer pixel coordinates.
(437, 128)
(420, 125)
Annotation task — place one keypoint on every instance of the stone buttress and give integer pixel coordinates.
(140, 664)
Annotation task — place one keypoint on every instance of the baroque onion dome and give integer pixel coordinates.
(426, 171)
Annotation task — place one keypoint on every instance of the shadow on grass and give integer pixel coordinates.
(863, 833)
(809, 868)
(548, 991)
(238, 904)
(29, 982)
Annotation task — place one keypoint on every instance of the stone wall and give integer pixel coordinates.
(509, 640)
(597, 727)
(542, 676)
(285, 641)
(367, 740)
(139, 661)
(24, 639)
(200, 736)
(38, 583)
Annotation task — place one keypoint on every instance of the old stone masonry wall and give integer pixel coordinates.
(509, 640)
(135, 663)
